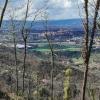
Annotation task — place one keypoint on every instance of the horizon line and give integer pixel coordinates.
(44, 20)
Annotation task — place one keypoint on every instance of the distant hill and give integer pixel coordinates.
(40, 24)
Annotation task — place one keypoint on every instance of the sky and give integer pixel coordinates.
(56, 9)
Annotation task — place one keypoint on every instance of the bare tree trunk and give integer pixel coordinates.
(52, 56)
(24, 65)
(52, 75)
(85, 82)
(87, 46)
(24, 36)
(3, 11)
(15, 51)
(85, 50)
(37, 88)
(52, 69)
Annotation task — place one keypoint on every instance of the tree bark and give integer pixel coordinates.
(3, 11)
(24, 66)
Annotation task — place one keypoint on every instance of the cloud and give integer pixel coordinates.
(57, 9)
(61, 3)
(64, 9)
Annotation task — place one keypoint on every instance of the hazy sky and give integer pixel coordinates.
(57, 9)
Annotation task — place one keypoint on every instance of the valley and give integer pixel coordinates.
(67, 48)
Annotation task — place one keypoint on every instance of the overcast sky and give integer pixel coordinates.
(57, 9)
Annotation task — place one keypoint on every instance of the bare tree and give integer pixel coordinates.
(52, 54)
(25, 32)
(3, 11)
(24, 36)
(15, 52)
(88, 44)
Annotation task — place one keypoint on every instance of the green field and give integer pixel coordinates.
(68, 50)
(56, 47)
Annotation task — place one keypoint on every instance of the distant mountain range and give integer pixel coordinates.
(41, 24)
